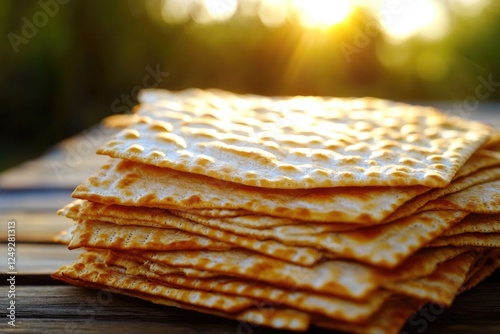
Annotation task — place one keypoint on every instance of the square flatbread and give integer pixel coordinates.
(476, 223)
(134, 184)
(99, 234)
(341, 278)
(128, 237)
(456, 186)
(480, 198)
(329, 306)
(388, 320)
(468, 239)
(442, 285)
(297, 142)
(90, 271)
(382, 245)
(91, 266)
(486, 266)
(121, 227)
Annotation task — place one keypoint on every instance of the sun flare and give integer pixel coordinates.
(425, 18)
(321, 13)
(399, 20)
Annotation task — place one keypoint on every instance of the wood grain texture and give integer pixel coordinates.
(68, 309)
(65, 165)
(38, 259)
(34, 227)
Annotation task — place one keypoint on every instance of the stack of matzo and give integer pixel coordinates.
(289, 212)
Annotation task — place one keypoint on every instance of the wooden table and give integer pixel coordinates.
(31, 194)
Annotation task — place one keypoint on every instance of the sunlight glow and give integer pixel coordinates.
(176, 11)
(398, 19)
(469, 7)
(221, 10)
(273, 13)
(427, 18)
(321, 13)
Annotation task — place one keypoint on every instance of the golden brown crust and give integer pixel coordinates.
(442, 285)
(481, 198)
(90, 271)
(297, 142)
(476, 223)
(133, 184)
(330, 306)
(417, 203)
(384, 245)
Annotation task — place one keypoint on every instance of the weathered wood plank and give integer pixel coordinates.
(474, 311)
(34, 227)
(49, 171)
(33, 200)
(38, 259)
(67, 309)
(64, 166)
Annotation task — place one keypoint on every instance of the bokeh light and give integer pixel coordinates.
(273, 13)
(400, 20)
(469, 7)
(220, 10)
(427, 18)
(94, 52)
(320, 13)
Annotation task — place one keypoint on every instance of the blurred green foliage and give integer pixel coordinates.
(90, 55)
